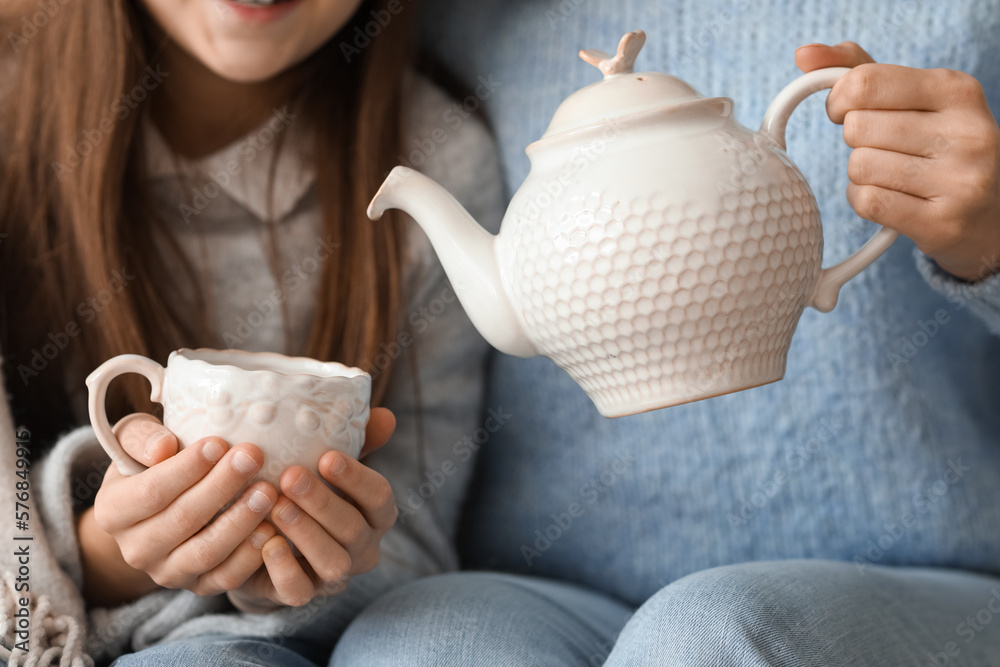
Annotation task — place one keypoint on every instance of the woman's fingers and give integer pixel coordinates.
(894, 171)
(381, 424)
(902, 88)
(912, 132)
(885, 207)
(129, 500)
(815, 56)
(370, 492)
(145, 439)
(241, 564)
(212, 546)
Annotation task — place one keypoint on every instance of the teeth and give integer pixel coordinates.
(259, 3)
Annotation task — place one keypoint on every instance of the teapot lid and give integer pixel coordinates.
(622, 92)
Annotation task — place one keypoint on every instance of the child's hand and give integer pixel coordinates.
(160, 517)
(338, 537)
(926, 159)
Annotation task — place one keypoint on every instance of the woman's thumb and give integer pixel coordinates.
(145, 439)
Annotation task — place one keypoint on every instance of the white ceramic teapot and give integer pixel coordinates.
(659, 251)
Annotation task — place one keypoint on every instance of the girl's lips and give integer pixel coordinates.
(259, 14)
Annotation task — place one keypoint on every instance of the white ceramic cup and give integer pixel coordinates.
(294, 408)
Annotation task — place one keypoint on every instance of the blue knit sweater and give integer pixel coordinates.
(882, 443)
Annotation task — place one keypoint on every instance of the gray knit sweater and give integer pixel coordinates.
(61, 630)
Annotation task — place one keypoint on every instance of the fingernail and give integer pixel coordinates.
(301, 485)
(213, 451)
(277, 552)
(258, 539)
(259, 501)
(152, 442)
(813, 44)
(289, 513)
(244, 463)
(338, 465)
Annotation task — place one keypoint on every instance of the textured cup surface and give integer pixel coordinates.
(294, 409)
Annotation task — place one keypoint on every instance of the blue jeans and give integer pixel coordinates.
(228, 651)
(801, 612)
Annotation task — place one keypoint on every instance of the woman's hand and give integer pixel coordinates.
(926, 159)
(338, 537)
(161, 520)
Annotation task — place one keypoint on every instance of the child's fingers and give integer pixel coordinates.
(287, 583)
(370, 491)
(894, 171)
(330, 559)
(381, 424)
(816, 56)
(896, 87)
(194, 508)
(911, 132)
(129, 500)
(886, 207)
(145, 439)
(214, 544)
(239, 567)
(307, 495)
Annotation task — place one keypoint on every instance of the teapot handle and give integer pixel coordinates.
(831, 279)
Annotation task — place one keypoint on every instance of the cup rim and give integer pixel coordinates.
(334, 369)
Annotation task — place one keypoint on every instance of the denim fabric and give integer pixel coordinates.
(222, 650)
(767, 614)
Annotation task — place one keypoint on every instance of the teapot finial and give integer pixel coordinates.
(623, 61)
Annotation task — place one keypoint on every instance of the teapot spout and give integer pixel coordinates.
(467, 253)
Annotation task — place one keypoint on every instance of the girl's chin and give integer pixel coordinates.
(243, 67)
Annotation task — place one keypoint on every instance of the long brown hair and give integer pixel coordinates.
(66, 233)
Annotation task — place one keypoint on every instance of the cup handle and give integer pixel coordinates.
(827, 288)
(97, 383)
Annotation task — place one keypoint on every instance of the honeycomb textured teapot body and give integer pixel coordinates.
(688, 283)
(659, 251)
